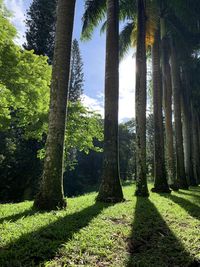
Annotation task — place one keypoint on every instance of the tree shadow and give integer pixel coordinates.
(192, 209)
(152, 243)
(13, 218)
(195, 189)
(35, 248)
(188, 194)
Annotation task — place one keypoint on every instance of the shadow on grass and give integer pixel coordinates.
(13, 218)
(35, 248)
(191, 208)
(195, 188)
(189, 194)
(127, 182)
(152, 243)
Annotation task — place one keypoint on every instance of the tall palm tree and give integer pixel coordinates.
(175, 72)
(51, 195)
(195, 147)
(140, 104)
(167, 104)
(187, 125)
(110, 189)
(160, 179)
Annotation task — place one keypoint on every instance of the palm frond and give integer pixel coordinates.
(95, 12)
(103, 27)
(127, 9)
(125, 39)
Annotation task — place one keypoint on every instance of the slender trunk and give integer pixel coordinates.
(110, 189)
(195, 149)
(51, 194)
(175, 72)
(160, 179)
(167, 104)
(187, 125)
(140, 105)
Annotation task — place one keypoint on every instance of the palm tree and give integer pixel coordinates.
(195, 146)
(187, 125)
(175, 15)
(160, 179)
(140, 104)
(175, 72)
(110, 189)
(51, 195)
(167, 104)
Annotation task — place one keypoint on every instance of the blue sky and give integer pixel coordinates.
(93, 54)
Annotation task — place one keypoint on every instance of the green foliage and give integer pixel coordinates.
(7, 30)
(125, 39)
(127, 158)
(24, 79)
(40, 23)
(76, 73)
(24, 92)
(83, 126)
(19, 166)
(162, 231)
(95, 12)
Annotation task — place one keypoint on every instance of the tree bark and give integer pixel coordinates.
(187, 126)
(160, 179)
(195, 148)
(167, 104)
(140, 104)
(51, 194)
(180, 166)
(110, 188)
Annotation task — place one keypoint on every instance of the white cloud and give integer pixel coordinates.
(17, 8)
(127, 88)
(126, 94)
(93, 104)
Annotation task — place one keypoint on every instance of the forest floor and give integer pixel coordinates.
(163, 230)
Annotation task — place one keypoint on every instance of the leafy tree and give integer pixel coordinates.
(83, 126)
(40, 23)
(24, 90)
(40, 35)
(76, 74)
(127, 158)
(25, 79)
(20, 167)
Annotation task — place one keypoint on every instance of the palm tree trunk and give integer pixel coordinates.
(160, 179)
(167, 104)
(195, 149)
(175, 72)
(140, 104)
(110, 188)
(51, 194)
(187, 125)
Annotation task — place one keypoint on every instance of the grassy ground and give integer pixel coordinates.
(163, 230)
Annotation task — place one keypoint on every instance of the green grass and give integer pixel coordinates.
(163, 230)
